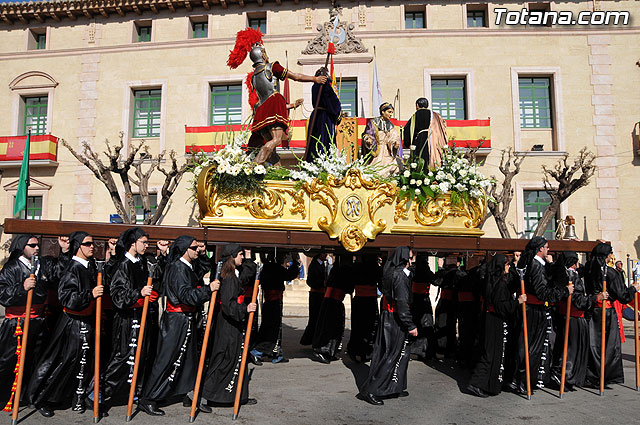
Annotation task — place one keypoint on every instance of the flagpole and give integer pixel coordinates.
(26, 193)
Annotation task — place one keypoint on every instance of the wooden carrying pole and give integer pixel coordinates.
(635, 327)
(136, 364)
(96, 362)
(604, 326)
(23, 352)
(245, 350)
(566, 345)
(526, 337)
(203, 352)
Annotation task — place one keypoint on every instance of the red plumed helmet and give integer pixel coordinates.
(245, 39)
(253, 96)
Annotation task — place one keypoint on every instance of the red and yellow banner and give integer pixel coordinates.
(462, 133)
(44, 146)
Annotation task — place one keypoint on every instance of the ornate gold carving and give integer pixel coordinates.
(298, 206)
(401, 211)
(435, 211)
(352, 207)
(269, 205)
(352, 238)
(325, 195)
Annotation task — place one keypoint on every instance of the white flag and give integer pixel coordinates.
(376, 91)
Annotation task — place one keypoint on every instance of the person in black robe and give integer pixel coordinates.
(539, 323)
(388, 372)
(51, 269)
(327, 116)
(272, 279)
(424, 345)
(469, 288)
(316, 280)
(327, 338)
(498, 306)
(128, 288)
(514, 325)
(416, 130)
(446, 314)
(565, 270)
(174, 371)
(66, 367)
(364, 309)
(15, 282)
(597, 270)
(221, 379)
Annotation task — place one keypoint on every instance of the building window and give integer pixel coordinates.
(259, 23)
(226, 104)
(535, 204)
(144, 33)
(137, 201)
(35, 115)
(448, 98)
(37, 39)
(476, 19)
(200, 30)
(414, 20)
(146, 113)
(349, 97)
(34, 208)
(41, 41)
(535, 102)
(539, 18)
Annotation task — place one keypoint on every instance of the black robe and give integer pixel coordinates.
(488, 374)
(420, 136)
(66, 367)
(539, 325)
(613, 370)
(272, 278)
(174, 371)
(327, 338)
(390, 360)
(316, 278)
(12, 297)
(364, 310)
(51, 269)
(578, 344)
(323, 133)
(127, 281)
(446, 315)
(468, 313)
(221, 380)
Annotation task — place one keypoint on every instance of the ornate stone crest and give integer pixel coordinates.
(345, 41)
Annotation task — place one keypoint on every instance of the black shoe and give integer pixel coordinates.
(79, 407)
(403, 394)
(46, 412)
(477, 391)
(370, 398)
(255, 360)
(250, 402)
(321, 358)
(510, 386)
(186, 402)
(150, 408)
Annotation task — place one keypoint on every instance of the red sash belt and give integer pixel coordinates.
(19, 311)
(599, 304)
(180, 308)
(318, 290)
(366, 291)
(270, 295)
(575, 312)
(466, 296)
(419, 288)
(388, 307)
(85, 312)
(240, 299)
(532, 299)
(447, 294)
(335, 293)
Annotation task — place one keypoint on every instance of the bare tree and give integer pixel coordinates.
(509, 167)
(563, 174)
(119, 167)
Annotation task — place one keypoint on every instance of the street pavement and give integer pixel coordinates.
(303, 391)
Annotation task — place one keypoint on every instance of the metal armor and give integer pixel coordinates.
(264, 82)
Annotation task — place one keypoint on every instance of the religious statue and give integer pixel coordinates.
(382, 141)
(427, 131)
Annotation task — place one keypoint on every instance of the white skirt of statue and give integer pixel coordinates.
(382, 141)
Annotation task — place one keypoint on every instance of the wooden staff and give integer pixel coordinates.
(635, 326)
(23, 351)
(566, 344)
(96, 362)
(245, 350)
(203, 352)
(136, 364)
(604, 324)
(526, 336)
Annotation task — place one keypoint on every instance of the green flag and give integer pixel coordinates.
(21, 195)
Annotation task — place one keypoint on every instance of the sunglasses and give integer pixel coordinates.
(87, 244)
(33, 245)
(193, 247)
